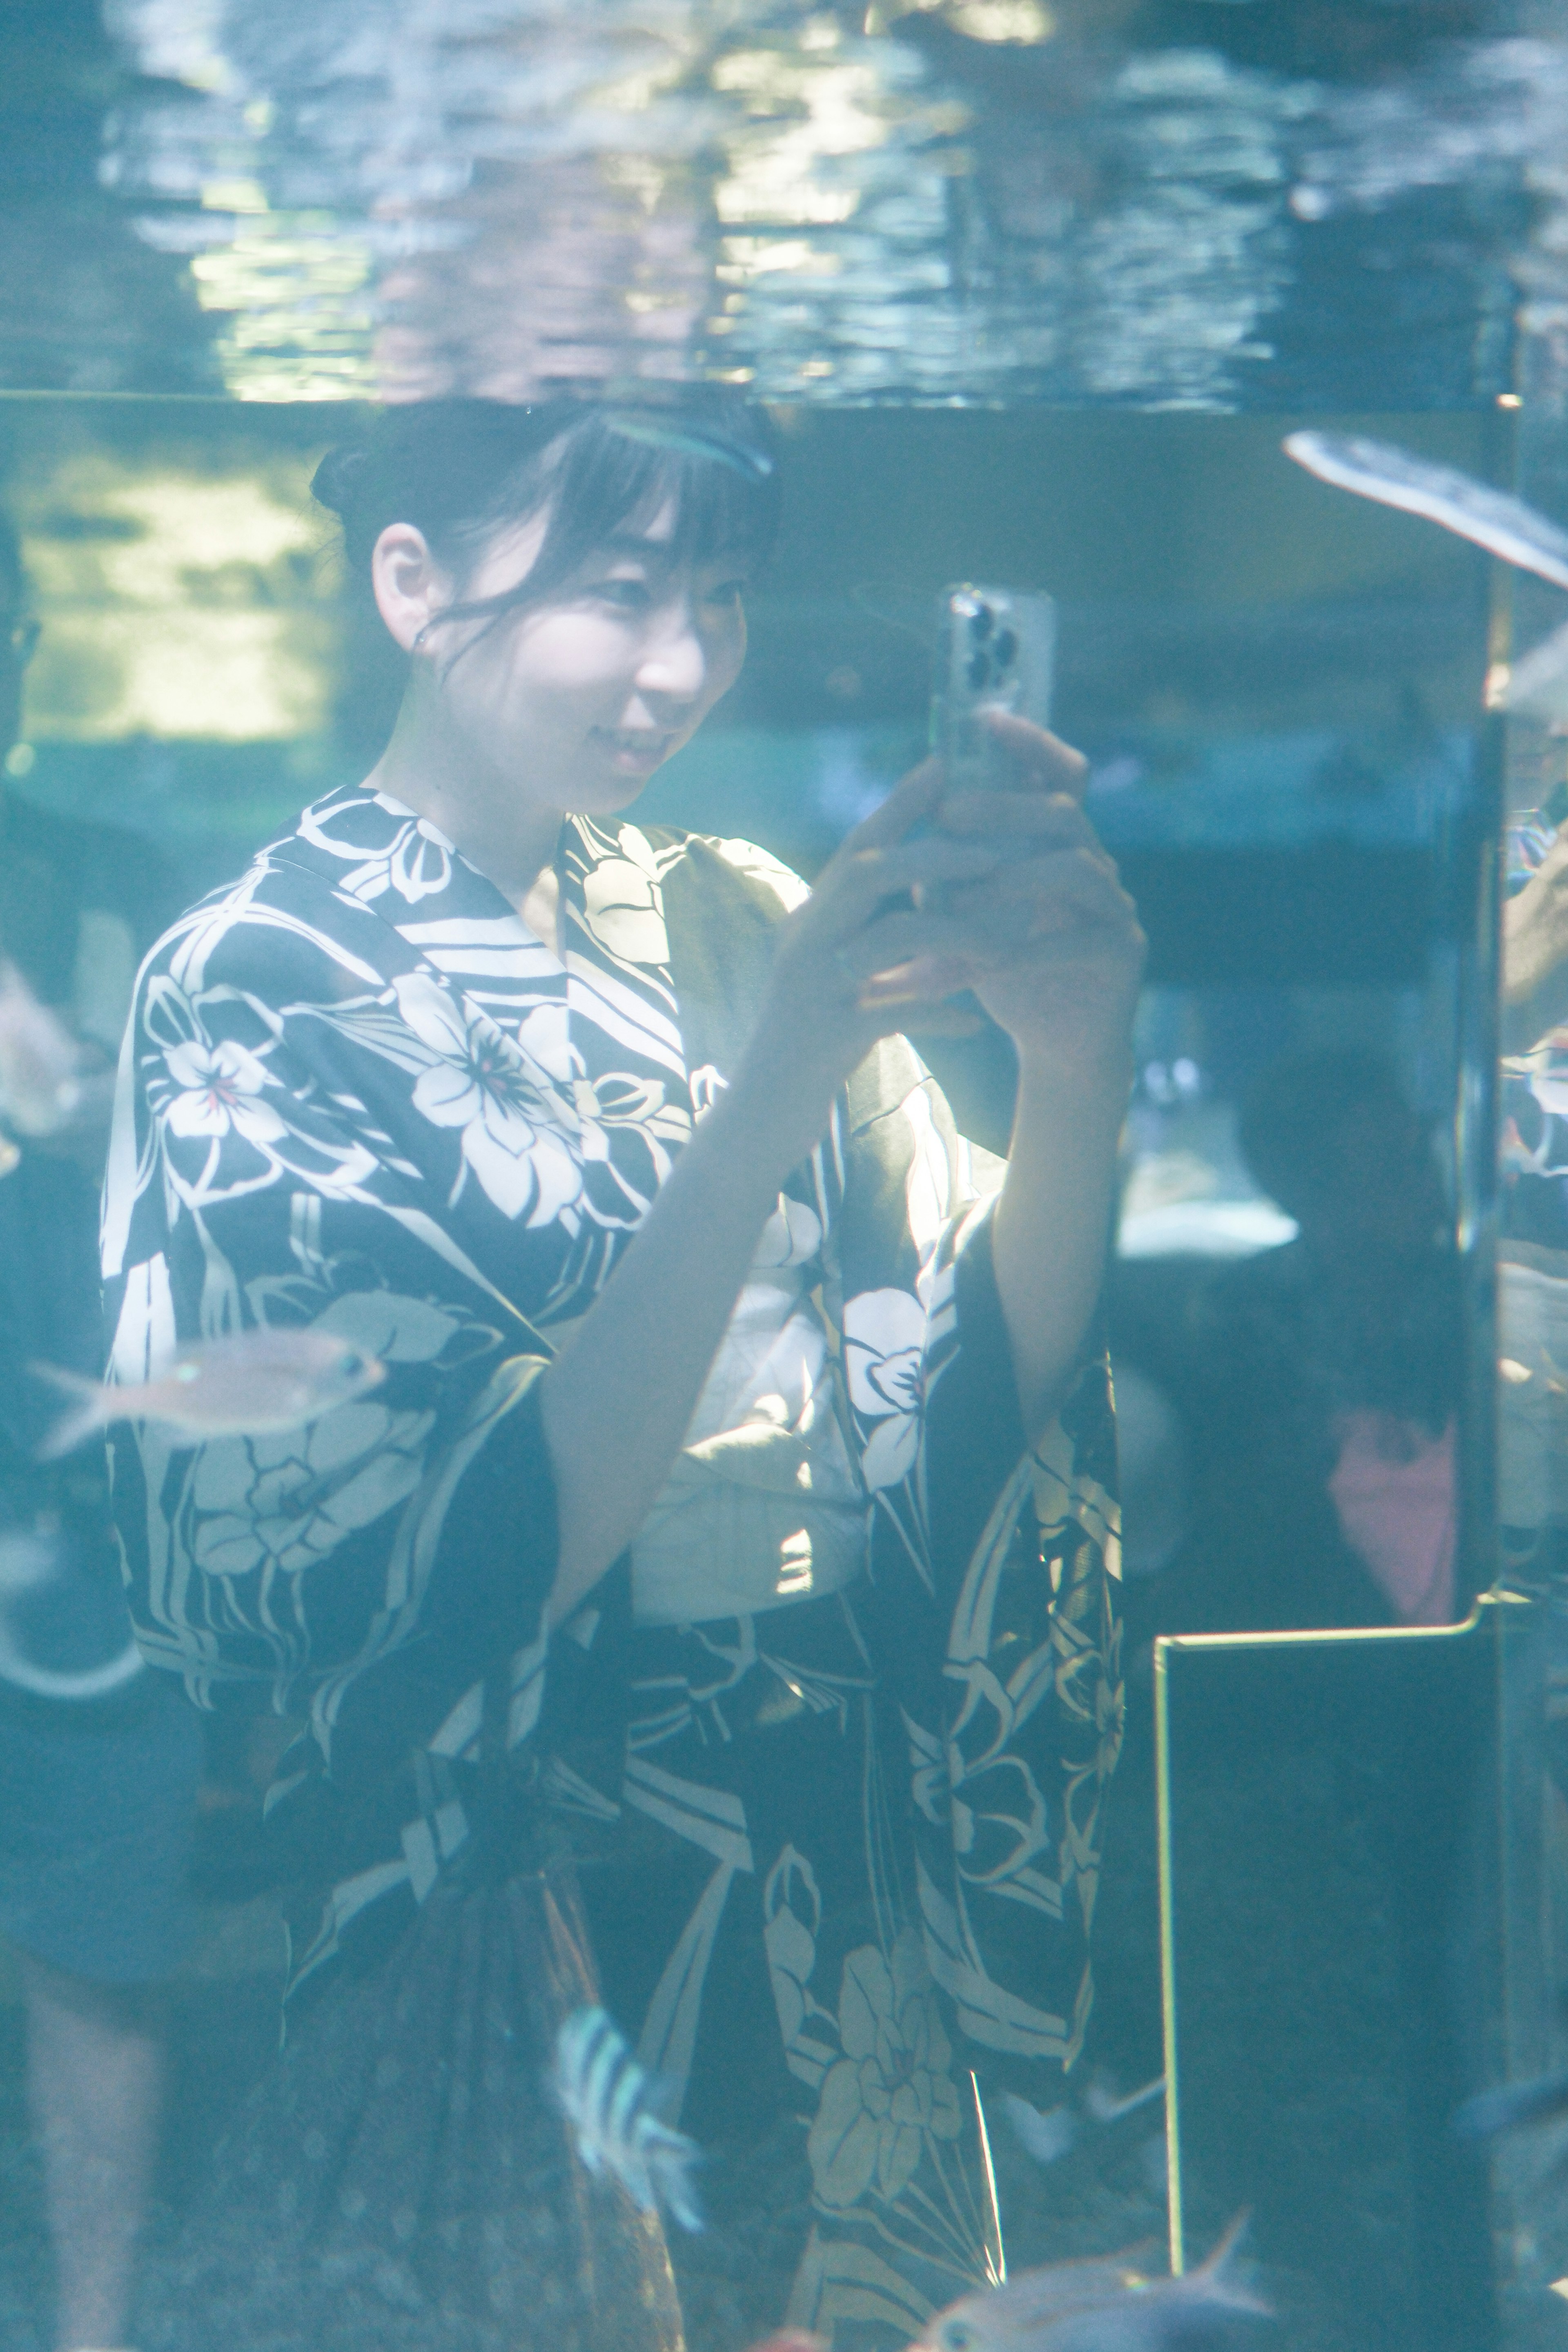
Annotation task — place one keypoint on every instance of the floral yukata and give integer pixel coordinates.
(825, 1754)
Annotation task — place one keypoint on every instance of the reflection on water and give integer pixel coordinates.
(1166, 205)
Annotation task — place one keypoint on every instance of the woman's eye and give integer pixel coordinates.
(626, 595)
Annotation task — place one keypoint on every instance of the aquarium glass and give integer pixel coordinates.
(1086, 1844)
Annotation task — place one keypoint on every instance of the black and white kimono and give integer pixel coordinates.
(835, 1733)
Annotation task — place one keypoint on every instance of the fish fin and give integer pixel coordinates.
(1216, 2275)
(671, 2162)
(1044, 2136)
(1107, 2108)
(1510, 2105)
(662, 2097)
(87, 1413)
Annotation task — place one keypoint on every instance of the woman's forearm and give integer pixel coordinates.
(618, 1399)
(1054, 1219)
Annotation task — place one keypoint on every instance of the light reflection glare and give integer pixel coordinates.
(177, 602)
(970, 200)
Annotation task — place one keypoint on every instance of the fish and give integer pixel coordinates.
(39, 1059)
(1542, 2100)
(1505, 525)
(1046, 2136)
(690, 440)
(1106, 2108)
(1051, 2133)
(608, 2100)
(256, 1383)
(1107, 2303)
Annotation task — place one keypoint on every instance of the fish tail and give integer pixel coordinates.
(86, 1415)
(1216, 2275)
(670, 2158)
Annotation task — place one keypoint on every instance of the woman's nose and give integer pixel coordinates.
(675, 660)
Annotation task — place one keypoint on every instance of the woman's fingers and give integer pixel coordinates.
(914, 797)
(857, 882)
(986, 920)
(1044, 761)
(1038, 818)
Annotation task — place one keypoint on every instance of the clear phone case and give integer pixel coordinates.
(996, 651)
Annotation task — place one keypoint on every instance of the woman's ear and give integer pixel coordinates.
(411, 587)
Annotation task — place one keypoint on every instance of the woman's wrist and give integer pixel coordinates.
(764, 1123)
(1095, 1063)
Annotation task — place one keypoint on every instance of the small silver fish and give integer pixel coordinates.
(1106, 2108)
(1511, 2105)
(39, 1059)
(1047, 2135)
(1494, 519)
(607, 2099)
(1109, 2304)
(690, 440)
(255, 1384)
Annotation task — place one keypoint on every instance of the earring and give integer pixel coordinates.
(419, 641)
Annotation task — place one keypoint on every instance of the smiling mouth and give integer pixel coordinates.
(636, 747)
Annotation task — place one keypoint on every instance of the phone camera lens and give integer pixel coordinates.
(980, 622)
(1007, 647)
(979, 670)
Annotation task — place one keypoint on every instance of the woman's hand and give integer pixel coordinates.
(862, 959)
(1062, 953)
(1012, 896)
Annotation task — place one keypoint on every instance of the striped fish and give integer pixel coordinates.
(607, 2099)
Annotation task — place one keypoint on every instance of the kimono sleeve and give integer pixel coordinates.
(374, 1567)
(994, 1569)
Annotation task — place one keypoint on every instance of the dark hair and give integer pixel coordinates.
(1292, 1115)
(460, 470)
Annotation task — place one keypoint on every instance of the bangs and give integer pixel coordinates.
(609, 484)
(598, 480)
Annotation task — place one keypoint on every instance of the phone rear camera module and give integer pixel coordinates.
(1006, 649)
(980, 622)
(978, 670)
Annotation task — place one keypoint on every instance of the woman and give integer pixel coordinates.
(760, 1568)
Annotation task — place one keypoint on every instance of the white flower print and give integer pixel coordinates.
(477, 1081)
(623, 903)
(291, 1500)
(762, 866)
(792, 1235)
(891, 2092)
(219, 1091)
(417, 863)
(884, 1365)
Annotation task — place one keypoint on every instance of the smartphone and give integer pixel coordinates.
(995, 651)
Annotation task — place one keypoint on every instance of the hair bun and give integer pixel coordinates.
(336, 481)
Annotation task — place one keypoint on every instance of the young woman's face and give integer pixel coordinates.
(579, 699)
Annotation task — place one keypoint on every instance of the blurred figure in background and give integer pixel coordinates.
(1533, 1249)
(100, 1759)
(1326, 1375)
